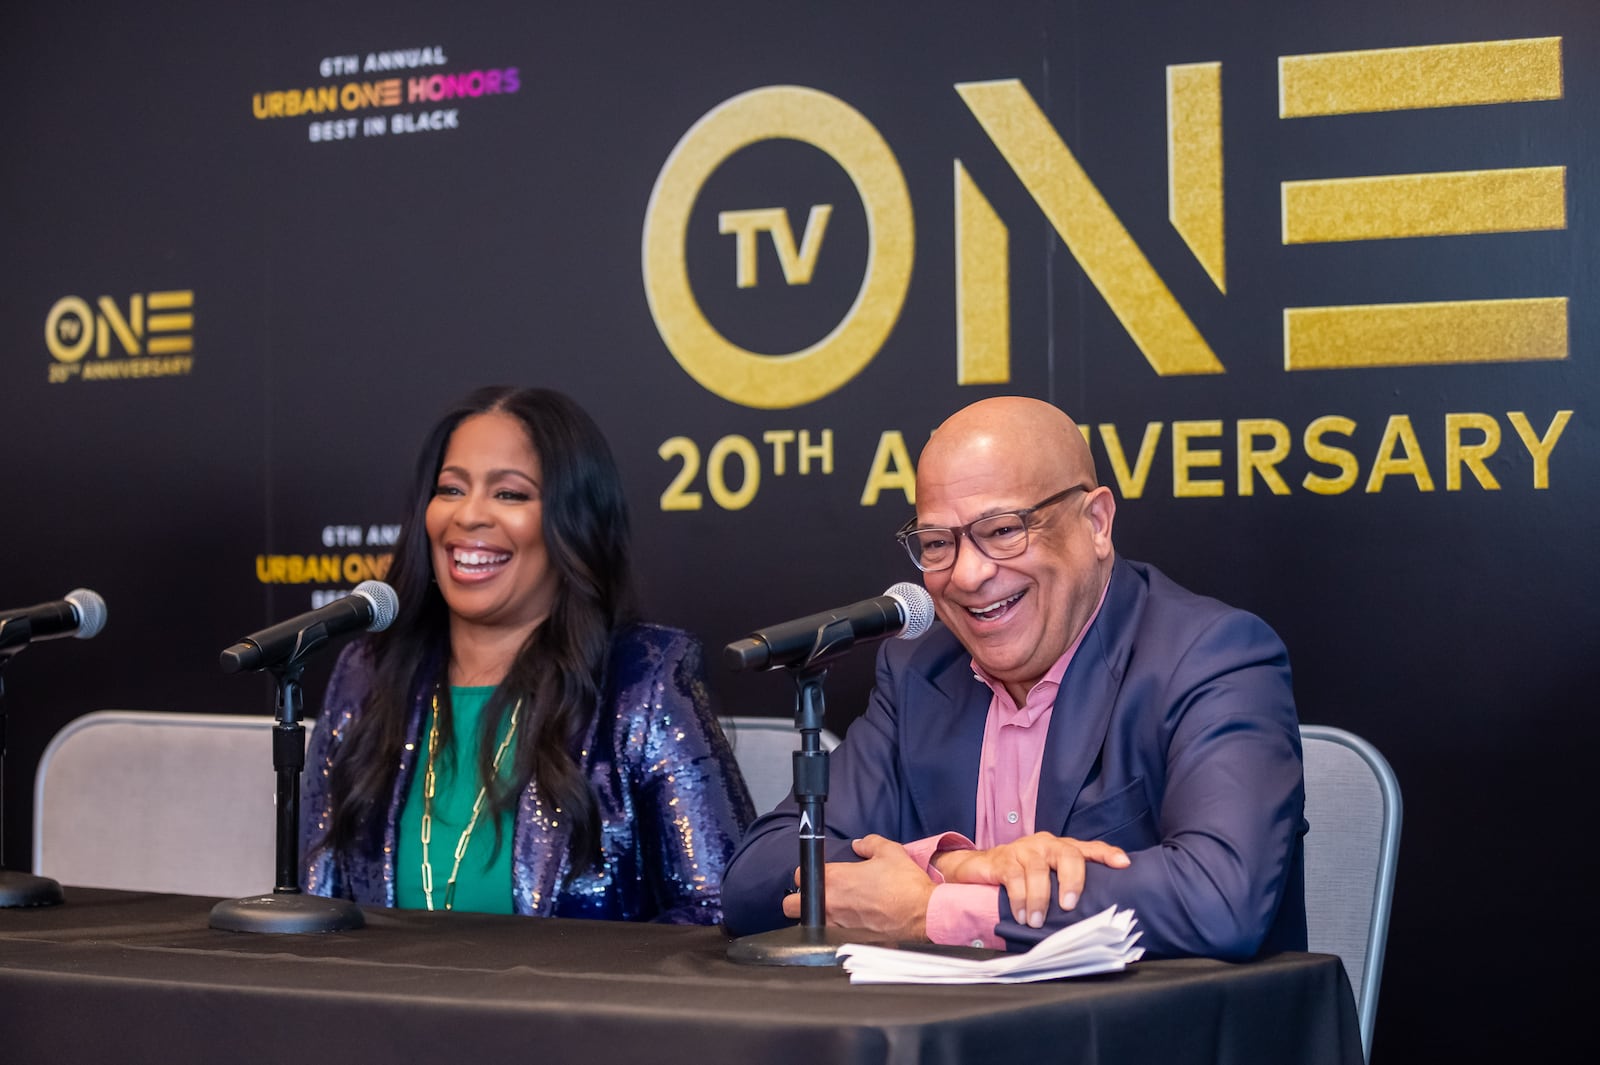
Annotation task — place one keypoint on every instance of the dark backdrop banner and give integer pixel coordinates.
(1317, 279)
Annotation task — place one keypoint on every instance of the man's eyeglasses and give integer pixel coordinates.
(998, 536)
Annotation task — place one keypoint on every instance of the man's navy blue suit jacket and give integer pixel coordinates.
(1173, 736)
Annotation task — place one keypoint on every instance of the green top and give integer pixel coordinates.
(484, 883)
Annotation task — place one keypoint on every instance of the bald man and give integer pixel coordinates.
(1078, 732)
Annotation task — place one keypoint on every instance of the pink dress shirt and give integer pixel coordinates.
(1009, 768)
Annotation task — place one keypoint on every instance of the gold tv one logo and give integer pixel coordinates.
(151, 323)
(1317, 210)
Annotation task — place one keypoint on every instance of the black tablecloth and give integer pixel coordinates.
(122, 977)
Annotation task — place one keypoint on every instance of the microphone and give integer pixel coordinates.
(905, 611)
(80, 613)
(371, 606)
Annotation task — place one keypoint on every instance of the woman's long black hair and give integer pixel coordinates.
(558, 673)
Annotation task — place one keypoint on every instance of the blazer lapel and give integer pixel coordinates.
(943, 725)
(540, 845)
(382, 861)
(538, 857)
(1082, 712)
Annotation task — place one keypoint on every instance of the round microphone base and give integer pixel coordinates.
(799, 945)
(287, 913)
(25, 889)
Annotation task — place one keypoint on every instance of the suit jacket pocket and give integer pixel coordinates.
(1123, 818)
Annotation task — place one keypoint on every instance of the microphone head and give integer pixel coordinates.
(91, 611)
(385, 604)
(917, 605)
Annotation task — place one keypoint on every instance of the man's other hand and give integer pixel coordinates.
(1024, 868)
(887, 892)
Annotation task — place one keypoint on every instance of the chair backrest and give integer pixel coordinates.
(764, 748)
(151, 801)
(1353, 808)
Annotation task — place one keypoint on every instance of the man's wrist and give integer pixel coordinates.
(945, 863)
(924, 850)
(950, 851)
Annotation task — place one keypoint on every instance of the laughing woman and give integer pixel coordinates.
(516, 742)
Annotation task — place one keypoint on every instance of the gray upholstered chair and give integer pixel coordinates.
(764, 748)
(1353, 808)
(155, 801)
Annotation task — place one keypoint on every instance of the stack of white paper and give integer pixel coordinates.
(1100, 944)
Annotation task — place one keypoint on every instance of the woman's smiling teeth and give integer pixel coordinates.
(993, 610)
(477, 561)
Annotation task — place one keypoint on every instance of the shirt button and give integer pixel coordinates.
(977, 942)
(1011, 818)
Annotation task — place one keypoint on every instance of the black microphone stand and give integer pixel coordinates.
(18, 889)
(287, 908)
(811, 942)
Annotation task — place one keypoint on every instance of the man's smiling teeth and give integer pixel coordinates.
(470, 560)
(993, 610)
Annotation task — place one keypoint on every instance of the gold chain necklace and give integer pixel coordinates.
(477, 806)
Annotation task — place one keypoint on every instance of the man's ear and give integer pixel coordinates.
(1101, 509)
